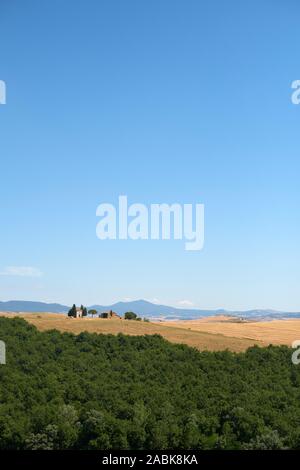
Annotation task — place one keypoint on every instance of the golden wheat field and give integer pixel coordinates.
(213, 334)
(269, 332)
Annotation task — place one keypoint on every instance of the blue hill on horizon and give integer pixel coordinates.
(146, 309)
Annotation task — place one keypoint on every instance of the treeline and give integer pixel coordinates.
(61, 391)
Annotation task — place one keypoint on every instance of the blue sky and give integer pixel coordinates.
(164, 101)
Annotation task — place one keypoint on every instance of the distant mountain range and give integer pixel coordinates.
(31, 306)
(147, 309)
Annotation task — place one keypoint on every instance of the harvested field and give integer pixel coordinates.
(269, 332)
(175, 333)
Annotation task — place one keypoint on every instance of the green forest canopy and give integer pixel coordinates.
(90, 391)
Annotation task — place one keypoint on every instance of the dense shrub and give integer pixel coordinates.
(61, 391)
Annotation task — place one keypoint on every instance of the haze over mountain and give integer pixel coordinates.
(146, 309)
(32, 306)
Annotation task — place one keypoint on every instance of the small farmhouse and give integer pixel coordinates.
(109, 314)
(79, 312)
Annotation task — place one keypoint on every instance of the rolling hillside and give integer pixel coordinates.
(148, 309)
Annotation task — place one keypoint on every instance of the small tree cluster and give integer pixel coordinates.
(73, 309)
(84, 311)
(131, 316)
(92, 312)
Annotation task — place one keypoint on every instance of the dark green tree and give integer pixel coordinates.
(84, 311)
(130, 316)
(92, 312)
(72, 311)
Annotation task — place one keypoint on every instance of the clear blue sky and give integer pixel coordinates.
(165, 101)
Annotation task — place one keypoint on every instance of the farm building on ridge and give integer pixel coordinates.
(109, 314)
